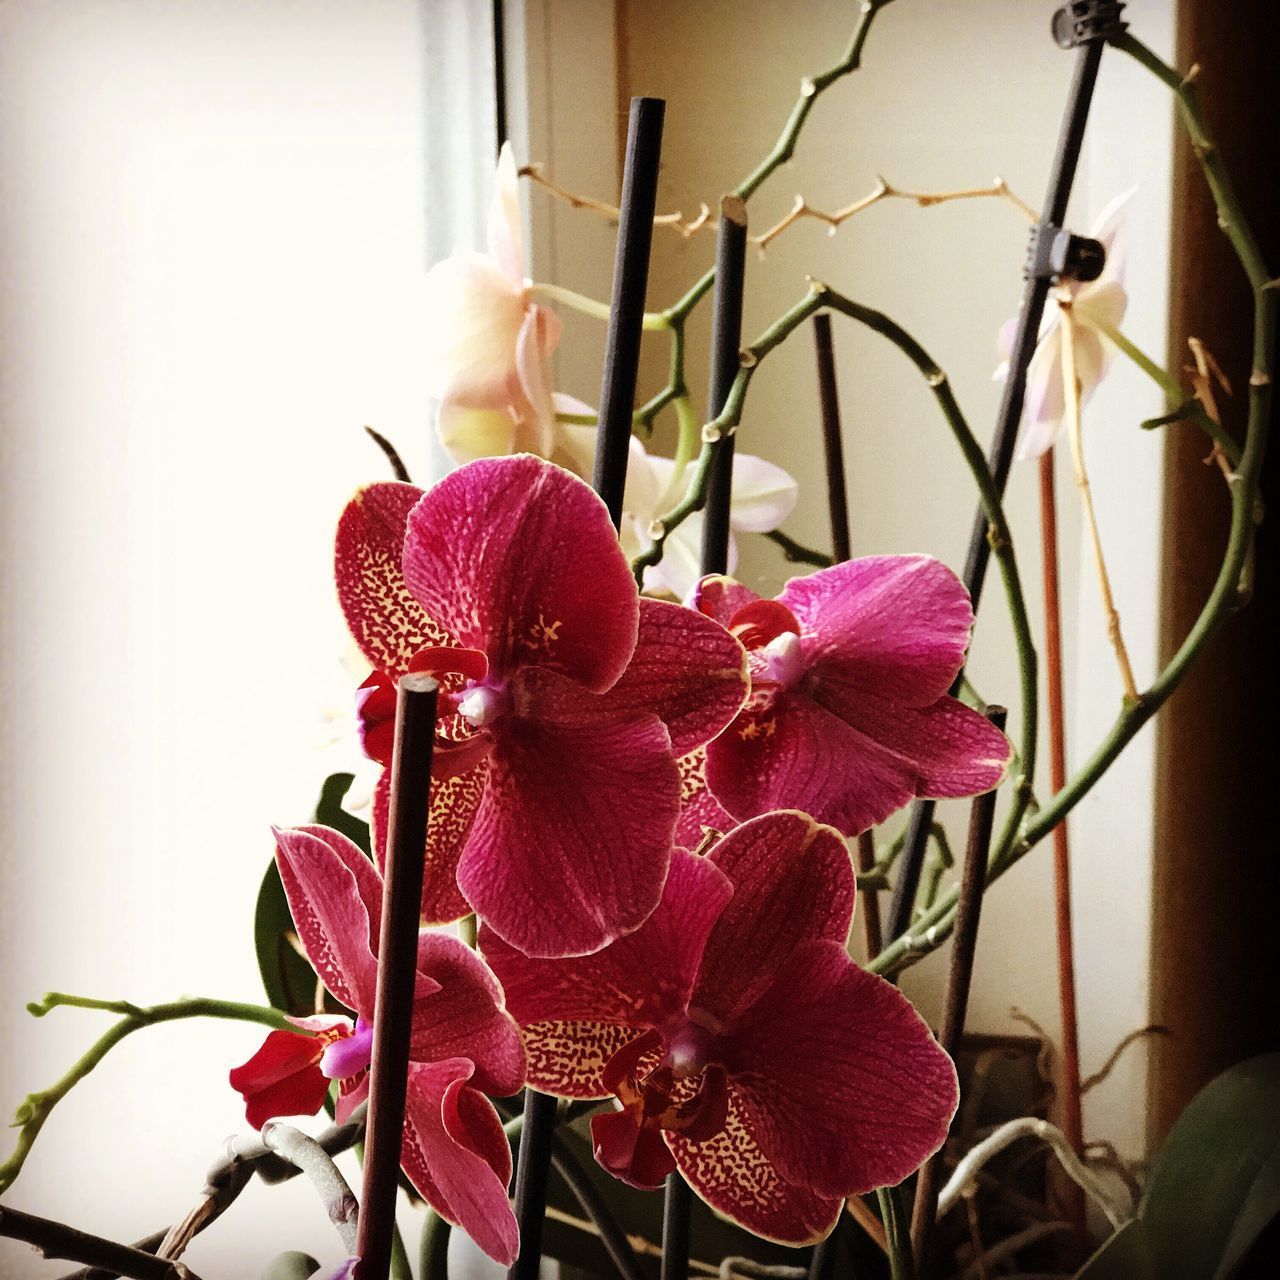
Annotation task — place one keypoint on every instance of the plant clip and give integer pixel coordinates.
(1056, 254)
(1083, 21)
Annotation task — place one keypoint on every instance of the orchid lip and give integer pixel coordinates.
(350, 1055)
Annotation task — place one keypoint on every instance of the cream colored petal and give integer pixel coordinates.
(506, 235)
(467, 434)
(473, 321)
(763, 495)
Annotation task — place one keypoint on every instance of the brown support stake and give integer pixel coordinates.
(1072, 1125)
(973, 880)
(833, 442)
(397, 971)
(626, 310)
(726, 337)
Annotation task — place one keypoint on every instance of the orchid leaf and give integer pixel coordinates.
(1216, 1183)
(330, 813)
(1213, 1189)
(289, 981)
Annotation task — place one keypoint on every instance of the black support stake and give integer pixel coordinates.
(1087, 24)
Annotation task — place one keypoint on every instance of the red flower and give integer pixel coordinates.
(566, 697)
(849, 716)
(746, 1048)
(464, 1044)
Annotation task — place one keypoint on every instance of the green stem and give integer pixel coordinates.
(810, 91)
(468, 927)
(1173, 389)
(35, 1109)
(653, 320)
(796, 552)
(433, 1250)
(897, 1230)
(400, 1268)
(1230, 589)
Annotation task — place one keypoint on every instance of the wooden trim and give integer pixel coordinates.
(1216, 948)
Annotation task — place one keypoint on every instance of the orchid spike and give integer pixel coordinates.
(489, 343)
(849, 716)
(1096, 306)
(463, 1046)
(745, 1047)
(565, 697)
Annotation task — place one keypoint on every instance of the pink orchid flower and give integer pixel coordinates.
(849, 716)
(464, 1043)
(1095, 307)
(566, 699)
(489, 344)
(745, 1046)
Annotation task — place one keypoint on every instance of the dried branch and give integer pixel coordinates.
(57, 1240)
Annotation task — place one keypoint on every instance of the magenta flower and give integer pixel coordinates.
(849, 716)
(464, 1043)
(746, 1048)
(566, 699)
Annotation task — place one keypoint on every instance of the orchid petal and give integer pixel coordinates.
(633, 1152)
(858, 1092)
(467, 433)
(944, 749)
(506, 235)
(335, 897)
(792, 882)
(518, 558)
(282, 1078)
(639, 981)
(763, 495)
(388, 624)
(453, 805)
(474, 316)
(720, 597)
(734, 1176)
(896, 625)
(539, 334)
(457, 1156)
(700, 811)
(351, 1093)
(687, 670)
(570, 845)
(465, 1016)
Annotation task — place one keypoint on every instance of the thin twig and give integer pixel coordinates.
(1071, 389)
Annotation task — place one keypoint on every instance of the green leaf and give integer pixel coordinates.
(1216, 1183)
(1123, 1256)
(289, 981)
(330, 813)
(291, 1266)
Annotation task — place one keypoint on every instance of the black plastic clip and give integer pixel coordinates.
(1082, 21)
(1055, 254)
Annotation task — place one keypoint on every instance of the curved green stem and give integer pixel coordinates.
(653, 320)
(433, 1249)
(34, 1111)
(1230, 589)
(897, 1230)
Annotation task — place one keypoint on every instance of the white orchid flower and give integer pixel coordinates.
(488, 342)
(762, 497)
(1096, 307)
